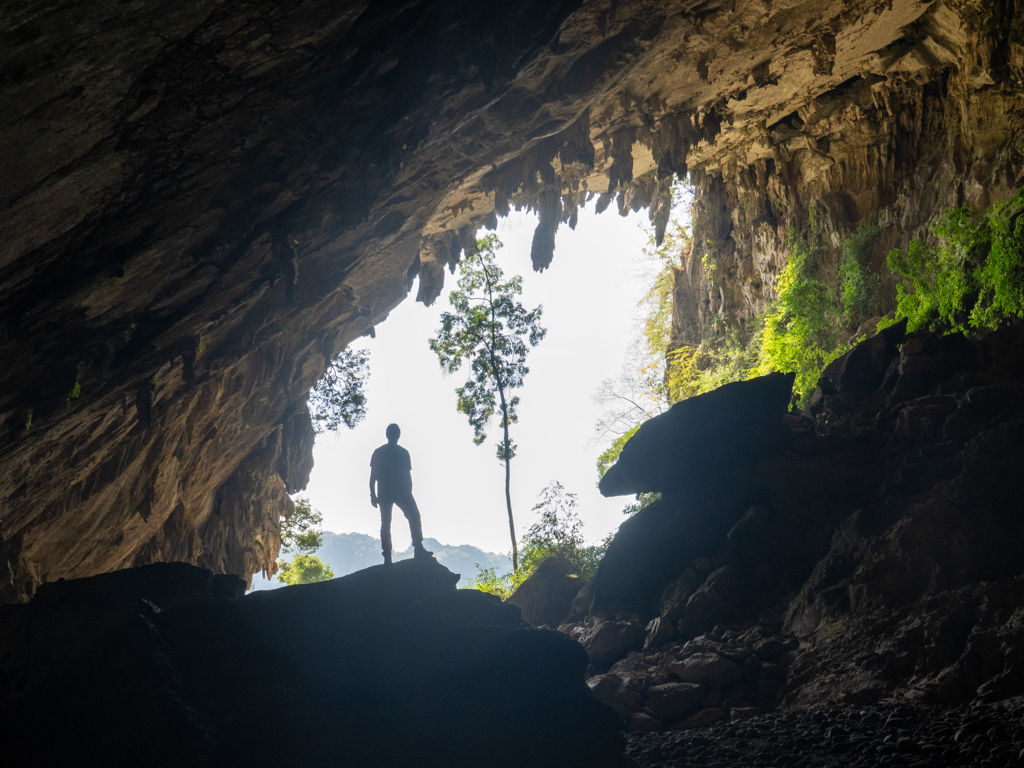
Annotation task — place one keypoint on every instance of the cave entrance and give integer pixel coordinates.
(590, 295)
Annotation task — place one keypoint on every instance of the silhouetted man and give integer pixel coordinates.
(390, 484)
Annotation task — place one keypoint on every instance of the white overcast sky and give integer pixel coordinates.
(589, 295)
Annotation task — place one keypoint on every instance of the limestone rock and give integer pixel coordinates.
(671, 701)
(672, 450)
(201, 205)
(547, 595)
(391, 665)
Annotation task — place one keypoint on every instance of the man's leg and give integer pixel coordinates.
(385, 528)
(412, 513)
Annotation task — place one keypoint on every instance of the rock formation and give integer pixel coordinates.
(872, 557)
(202, 204)
(164, 665)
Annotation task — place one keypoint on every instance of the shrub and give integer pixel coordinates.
(973, 278)
(802, 329)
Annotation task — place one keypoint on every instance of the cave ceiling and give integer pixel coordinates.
(201, 203)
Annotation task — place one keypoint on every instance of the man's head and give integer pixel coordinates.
(393, 433)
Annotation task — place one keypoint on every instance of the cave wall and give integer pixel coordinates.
(928, 122)
(202, 204)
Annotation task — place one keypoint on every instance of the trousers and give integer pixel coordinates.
(407, 504)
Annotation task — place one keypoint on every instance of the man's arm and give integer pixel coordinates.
(373, 486)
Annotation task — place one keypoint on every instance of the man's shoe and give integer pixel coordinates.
(419, 551)
(387, 559)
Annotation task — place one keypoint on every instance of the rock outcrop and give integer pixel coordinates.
(873, 556)
(165, 665)
(202, 204)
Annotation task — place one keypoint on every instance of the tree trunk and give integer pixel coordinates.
(508, 493)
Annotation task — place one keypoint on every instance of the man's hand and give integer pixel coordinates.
(373, 500)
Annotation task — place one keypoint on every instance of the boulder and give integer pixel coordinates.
(672, 701)
(608, 641)
(696, 438)
(708, 669)
(860, 371)
(391, 665)
(547, 595)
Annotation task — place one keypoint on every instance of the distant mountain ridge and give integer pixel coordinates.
(350, 552)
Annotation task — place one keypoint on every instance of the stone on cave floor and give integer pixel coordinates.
(388, 666)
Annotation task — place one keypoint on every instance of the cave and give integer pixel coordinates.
(205, 203)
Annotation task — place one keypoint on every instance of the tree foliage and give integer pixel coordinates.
(304, 569)
(803, 330)
(492, 331)
(338, 397)
(973, 278)
(301, 531)
(301, 534)
(558, 532)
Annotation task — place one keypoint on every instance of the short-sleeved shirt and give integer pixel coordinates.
(392, 467)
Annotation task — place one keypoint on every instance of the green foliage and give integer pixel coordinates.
(1001, 277)
(76, 391)
(721, 358)
(802, 329)
(301, 532)
(973, 278)
(304, 569)
(860, 289)
(557, 533)
(338, 397)
(492, 331)
(28, 422)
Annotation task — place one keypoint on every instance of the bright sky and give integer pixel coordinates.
(589, 296)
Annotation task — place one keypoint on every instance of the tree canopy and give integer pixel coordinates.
(304, 569)
(492, 331)
(338, 397)
(302, 535)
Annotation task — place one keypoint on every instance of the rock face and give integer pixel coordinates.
(698, 455)
(388, 666)
(872, 556)
(547, 595)
(202, 204)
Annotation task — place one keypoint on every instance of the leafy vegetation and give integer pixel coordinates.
(301, 534)
(974, 277)
(492, 331)
(557, 533)
(302, 531)
(803, 330)
(304, 569)
(338, 397)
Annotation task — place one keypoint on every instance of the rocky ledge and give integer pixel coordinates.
(861, 552)
(164, 665)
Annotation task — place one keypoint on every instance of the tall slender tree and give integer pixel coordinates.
(490, 329)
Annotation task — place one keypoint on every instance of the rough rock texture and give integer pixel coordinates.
(876, 556)
(699, 456)
(389, 666)
(899, 736)
(545, 598)
(202, 203)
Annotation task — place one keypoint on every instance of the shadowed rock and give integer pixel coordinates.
(546, 597)
(391, 666)
(698, 438)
